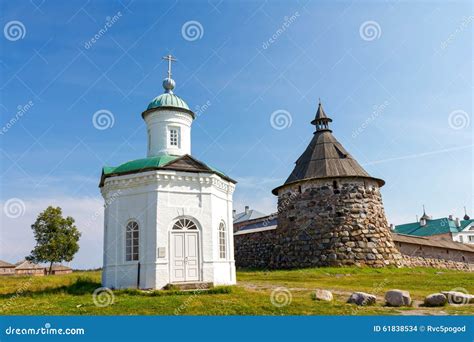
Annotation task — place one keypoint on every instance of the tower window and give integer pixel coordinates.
(341, 154)
(174, 136)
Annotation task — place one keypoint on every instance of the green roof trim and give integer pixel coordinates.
(433, 227)
(168, 100)
(152, 163)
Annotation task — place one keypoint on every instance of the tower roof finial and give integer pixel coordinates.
(169, 83)
(425, 217)
(321, 120)
(466, 216)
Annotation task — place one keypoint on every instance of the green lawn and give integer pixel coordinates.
(72, 294)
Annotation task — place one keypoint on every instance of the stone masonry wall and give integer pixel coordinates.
(435, 252)
(418, 261)
(255, 250)
(333, 223)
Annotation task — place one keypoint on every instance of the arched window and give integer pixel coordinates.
(222, 242)
(131, 241)
(184, 224)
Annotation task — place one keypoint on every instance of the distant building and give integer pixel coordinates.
(28, 268)
(6, 268)
(59, 269)
(245, 216)
(425, 247)
(25, 267)
(446, 228)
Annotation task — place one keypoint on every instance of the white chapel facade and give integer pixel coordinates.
(167, 217)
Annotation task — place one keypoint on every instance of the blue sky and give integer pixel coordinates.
(396, 78)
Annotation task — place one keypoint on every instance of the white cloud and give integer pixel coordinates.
(265, 204)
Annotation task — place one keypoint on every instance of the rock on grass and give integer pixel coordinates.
(436, 299)
(362, 298)
(397, 298)
(324, 295)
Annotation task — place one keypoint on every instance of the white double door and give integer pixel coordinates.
(185, 256)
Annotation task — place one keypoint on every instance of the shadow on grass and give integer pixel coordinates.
(82, 286)
(174, 292)
(85, 285)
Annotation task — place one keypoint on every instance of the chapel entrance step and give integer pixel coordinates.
(190, 286)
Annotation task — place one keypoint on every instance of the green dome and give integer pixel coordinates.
(168, 100)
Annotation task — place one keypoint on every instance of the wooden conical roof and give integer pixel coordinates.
(325, 157)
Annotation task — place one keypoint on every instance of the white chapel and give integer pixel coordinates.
(167, 217)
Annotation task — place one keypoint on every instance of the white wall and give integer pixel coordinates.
(464, 235)
(156, 199)
(158, 124)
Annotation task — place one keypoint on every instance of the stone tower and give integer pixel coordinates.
(330, 210)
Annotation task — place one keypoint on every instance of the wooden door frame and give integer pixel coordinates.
(171, 249)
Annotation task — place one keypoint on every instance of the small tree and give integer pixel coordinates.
(56, 238)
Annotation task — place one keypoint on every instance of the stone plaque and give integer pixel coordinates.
(161, 252)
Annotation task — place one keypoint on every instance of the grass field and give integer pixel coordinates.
(72, 294)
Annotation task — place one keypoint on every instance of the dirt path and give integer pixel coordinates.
(415, 310)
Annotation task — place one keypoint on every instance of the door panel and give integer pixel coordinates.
(185, 257)
(192, 265)
(178, 262)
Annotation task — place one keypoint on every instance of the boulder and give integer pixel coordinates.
(456, 297)
(323, 295)
(362, 298)
(397, 298)
(436, 299)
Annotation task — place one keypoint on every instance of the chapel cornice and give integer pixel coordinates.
(164, 178)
